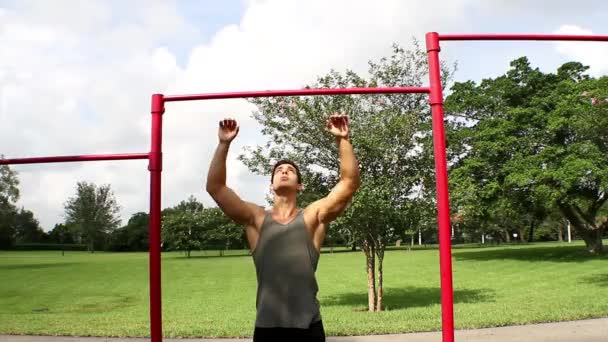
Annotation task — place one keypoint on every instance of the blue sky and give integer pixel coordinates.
(76, 76)
(208, 16)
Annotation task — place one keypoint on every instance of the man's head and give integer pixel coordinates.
(285, 176)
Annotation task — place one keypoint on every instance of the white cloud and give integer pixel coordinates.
(76, 78)
(79, 82)
(588, 53)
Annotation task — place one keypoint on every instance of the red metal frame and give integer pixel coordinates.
(554, 37)
(63, 159)
(155, 168)
(297, 92)
(436, 101)
(441, 179)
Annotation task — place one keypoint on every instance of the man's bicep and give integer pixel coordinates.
(336, 202)
(233, 206)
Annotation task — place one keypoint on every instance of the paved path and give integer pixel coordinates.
(592, 330)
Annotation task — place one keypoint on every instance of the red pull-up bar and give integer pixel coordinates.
(63, 159)
(297, 92)
(556, 37)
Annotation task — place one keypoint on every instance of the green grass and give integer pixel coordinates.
(106, 294)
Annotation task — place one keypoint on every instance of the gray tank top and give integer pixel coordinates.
(285, 263)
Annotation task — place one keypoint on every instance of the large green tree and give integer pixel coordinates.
(182, 226)
(92, 213)
(132, 237)
(534, 141)
(220, 231)
(190, 226)
(387, 132)
(61, 234)
(9, 194)
(27, 227)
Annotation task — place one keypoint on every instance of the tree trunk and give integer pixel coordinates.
(380, 254)
(560, 232)
(531, 234)
(507, 237)
(370, 256)
(593, 239)
(584, 225)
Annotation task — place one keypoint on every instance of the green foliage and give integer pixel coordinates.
(49, 247)
(132, 237)
(221, 232)
(9, 184)
(92, 213)
(182, 228)
(7, 225)
(27, 228)
(9, 194)
(61, 234)
(533, 142)
(386, 130)
(190, 226)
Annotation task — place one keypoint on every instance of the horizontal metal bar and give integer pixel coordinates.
(597, 38)
(62, 159)
(296, 92)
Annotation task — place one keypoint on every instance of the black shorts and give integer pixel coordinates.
(314, 333)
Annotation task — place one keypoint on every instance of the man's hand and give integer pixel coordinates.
(228, 130)
(337, 125)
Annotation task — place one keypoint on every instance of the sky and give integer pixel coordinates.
(76, 76)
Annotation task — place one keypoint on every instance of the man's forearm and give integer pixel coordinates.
(349, 166)
(216, 176)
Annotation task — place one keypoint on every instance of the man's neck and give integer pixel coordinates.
(284, 206)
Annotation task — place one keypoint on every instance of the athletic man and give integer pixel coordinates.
(286, 241)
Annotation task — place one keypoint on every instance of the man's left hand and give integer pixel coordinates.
(337, 125)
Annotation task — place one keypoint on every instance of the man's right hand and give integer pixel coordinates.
(228, 130)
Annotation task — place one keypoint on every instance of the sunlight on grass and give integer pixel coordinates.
(106, 294)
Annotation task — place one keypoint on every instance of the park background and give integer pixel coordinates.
(75, 78)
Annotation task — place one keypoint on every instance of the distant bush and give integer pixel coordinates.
(49, 247)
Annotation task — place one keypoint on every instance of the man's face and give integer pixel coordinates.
(285, 178)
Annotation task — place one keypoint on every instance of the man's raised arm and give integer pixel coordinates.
(230, 203)
(339, 197)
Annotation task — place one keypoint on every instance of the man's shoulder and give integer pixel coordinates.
(257, 210)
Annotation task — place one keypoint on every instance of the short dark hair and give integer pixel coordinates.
(286, 161)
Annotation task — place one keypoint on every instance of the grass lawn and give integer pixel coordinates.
(106, 294)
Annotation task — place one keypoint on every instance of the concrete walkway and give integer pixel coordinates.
(592, 330)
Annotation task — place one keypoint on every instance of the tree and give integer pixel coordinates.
(138, 231)
(27, 227)
(9, 194)
(9, 184)
(182, 226)
(8, 212)
(61, 234)
(132, 237)
(92, 212)
(220, 231)
(386, 131)
(537, 136)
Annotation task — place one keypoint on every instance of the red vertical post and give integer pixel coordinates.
(441, 176)
(155, 167)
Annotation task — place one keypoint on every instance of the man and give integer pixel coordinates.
(286, 241)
